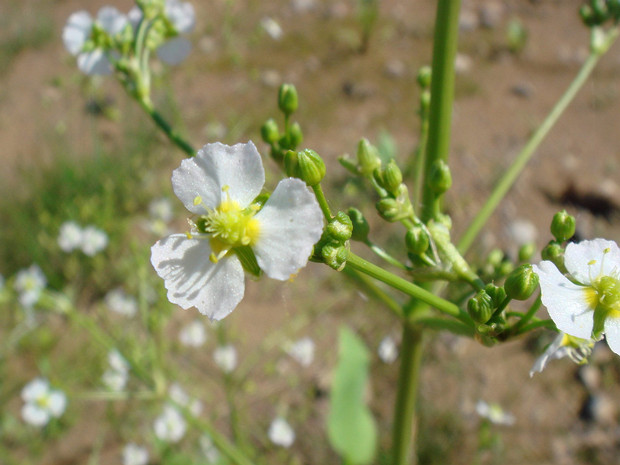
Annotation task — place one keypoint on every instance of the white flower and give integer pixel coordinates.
(302, 351)
(212, 455)
(120, 302)
(494, 413)
(94, 240)
(181, 15)
(578, 350)
(79, 30)
(161, 209)
(220, 184)
(388, 351)
(193, 335)
(588, 304)
(170, 426)
(41, 403)
(178, 394)
(116, 376)
(272, 28)
(134, 454)
(226, 358)
(29, 283)
(281, 433)
(70, 236)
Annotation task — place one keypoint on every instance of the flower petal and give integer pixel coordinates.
(565, 301)
(35, 415)
(217, 165)
(94, 63)
(291, 223)
(553, 351)
(193, 280)
(181, 15)
(111, 20)
(76, 31)
(57, 402)
(578, 257)
(38, 387)
(612, 333)
(174, 51)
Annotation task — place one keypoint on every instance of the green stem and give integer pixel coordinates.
(320, 197)
(510, 176)
(385, 256)
(528, 316)
(408, 380)
(442, 97)
(419, 162)
(162, 124)
(443, 324)
(536, 323)
(359, 264)
(375, 291)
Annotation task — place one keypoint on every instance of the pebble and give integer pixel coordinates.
(463, 63)
(522, 90)
(599, 409)
(590, 377)
(395, 69)
(468, 20)
(491, 14)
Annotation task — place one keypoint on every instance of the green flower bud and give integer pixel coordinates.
(287, 99)
(335, 256)
(521, 283)
(340, 228)
(554, 252)
(417, 240)
(295, 135)
(424, 77)
(498, 294)
(526, 251)
(392, 178)
(599, 8)
(495, 257)
(563, 226)
(440, 179)
(306, 165)
(269, 131)
(425, 101)
(587, 15)
(389, 209)
(367, 158)
(505, 268)
(360, 225)
(480, 307)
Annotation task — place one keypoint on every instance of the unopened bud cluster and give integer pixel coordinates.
(292, 137)
(597, 12)
(334, 246)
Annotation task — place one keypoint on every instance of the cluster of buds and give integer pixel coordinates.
(289, 140)
(598, 12)
(562, 229)
(333, 247)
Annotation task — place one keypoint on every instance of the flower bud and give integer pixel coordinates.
(562, 226)
(497, 294)
(440, 179)
(360, 225)
(389, 209)
(425, 101)
(335, 256)
(391, 177)
(295, 135)
(521, 283)
(367, 158)
(526, 251)
(480, 307)
(340, 228)
(306, 165)
(417, 240)
(287, 99)
(554, 252)
(587, 15)
(269, 131)
(424, 77)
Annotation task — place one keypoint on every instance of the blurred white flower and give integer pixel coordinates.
(272, 28)
(134, 454)
(161, 209)
(116, 376)
(181, 15)
(208, 449)
(78, 32)
(170, 426)
(29, 283)
(70, 236)
(226, 358)
(302, 351)
(193, 335)
(120, 302)
(178, 394)
(388, 351)
(281, 433)
(219, 185)
(41, 402)
(94, 240)
(494, 413)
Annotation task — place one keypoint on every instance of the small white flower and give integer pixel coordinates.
(29, 283)
(120, 302)
(116, 376)
(170, 426)
(588, 304)
(219, 185)
(134, 454)
(41, 403)
(94, 240)
(212, 455)
(388, 351)
(181, 15)
(578, 350)
(161, 209)
(494, 413)
(193, 335)
(70, 236)
(272, 28)
(302, 351)
(178, 394)
(79, 30)
(226, 358)
(281, 433)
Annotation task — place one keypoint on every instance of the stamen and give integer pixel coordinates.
(197, 200)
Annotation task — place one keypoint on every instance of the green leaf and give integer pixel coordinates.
(351, 428)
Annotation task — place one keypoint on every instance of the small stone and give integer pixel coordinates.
(395, 69)
(599, 409)
(462, 63)
(303, 6)
(522, 90)
(468, 20)
(491, 14)
(590, 376)
(271, 78)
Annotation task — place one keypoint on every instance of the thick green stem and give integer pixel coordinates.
(320, 197)
(442, 97)
(408, 380)
(510, 176)
(162, 124)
